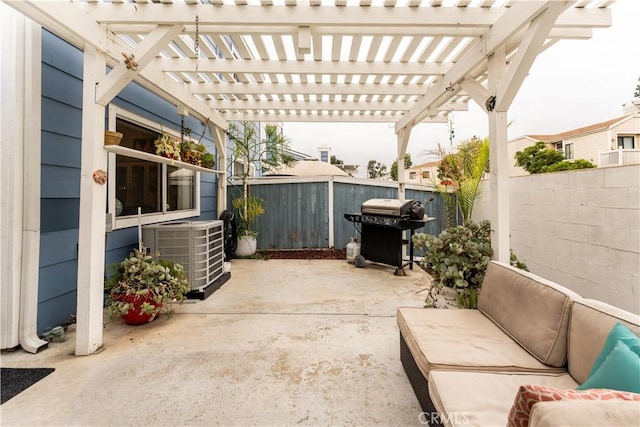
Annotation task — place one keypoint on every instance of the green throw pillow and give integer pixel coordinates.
(619, 371)
(618, 333)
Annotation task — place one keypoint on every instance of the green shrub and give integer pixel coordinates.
(458, 257)
(567, 165)
(536, 157)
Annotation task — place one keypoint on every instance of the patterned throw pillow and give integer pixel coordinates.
(529, 395)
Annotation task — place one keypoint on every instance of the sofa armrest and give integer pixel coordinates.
(585, 413)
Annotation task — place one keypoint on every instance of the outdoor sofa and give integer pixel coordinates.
(529, 340)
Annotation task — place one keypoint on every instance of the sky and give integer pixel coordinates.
(572, 84)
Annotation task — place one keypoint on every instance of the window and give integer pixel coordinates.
(238, 169)
(425, 175)
(412, 175)
(558, 146)
(162, 192)
(568, 151)
(324, 156)
(626, 142)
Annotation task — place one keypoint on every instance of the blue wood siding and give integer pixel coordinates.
(61, 150)
(60, 183)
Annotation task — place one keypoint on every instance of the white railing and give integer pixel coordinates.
(620, 157)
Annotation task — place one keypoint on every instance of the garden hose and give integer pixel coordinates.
(230, 233)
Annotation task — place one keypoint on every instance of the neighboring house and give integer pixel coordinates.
(424, 174)
(308, 167)
(608, 143)
(324, 153)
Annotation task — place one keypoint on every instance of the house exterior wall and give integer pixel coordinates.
(588, 146)
(414, 174)
(60, 198)
(513, 147)
(580, 229)
(628, 127)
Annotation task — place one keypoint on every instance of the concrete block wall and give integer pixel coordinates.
(580, 229)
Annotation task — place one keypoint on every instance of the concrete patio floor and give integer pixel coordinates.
(283, 342)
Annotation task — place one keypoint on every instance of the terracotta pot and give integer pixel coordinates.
(135, 316)
(112, 138)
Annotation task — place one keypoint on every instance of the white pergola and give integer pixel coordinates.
(403, 62)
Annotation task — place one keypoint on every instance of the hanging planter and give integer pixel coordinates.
(112, 137)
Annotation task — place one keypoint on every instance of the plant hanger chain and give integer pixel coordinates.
(196, 45)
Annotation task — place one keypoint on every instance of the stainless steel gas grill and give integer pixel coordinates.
(383, 223)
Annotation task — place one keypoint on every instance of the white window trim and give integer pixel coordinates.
(150, 218)
(564, 149)
(634, 141)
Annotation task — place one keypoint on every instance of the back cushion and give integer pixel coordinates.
(531, 310)
(591, 322)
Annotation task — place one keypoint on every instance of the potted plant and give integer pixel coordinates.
(264, 154)
(457, 260)
(141, 286)
(191, 151)
(112, 137)
(168, 146)
(208, 160)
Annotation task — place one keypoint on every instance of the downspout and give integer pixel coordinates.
(21, 75)
(31, 189)
(10, 150)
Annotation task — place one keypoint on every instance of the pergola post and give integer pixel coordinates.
(93, 197)
(498, 159)
(220, 139)
(403, 142)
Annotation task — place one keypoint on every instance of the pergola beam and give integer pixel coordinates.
(188, 65)
(316, 117)
(375, 19)
(511, 22)
(326, 105)
(305, 89)
(73, 24)
(120, 76)
(568, 32)
(530, 46)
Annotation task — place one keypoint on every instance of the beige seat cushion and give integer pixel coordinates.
(533, 311)
(462, 340)
(591, 322)
(483, 399)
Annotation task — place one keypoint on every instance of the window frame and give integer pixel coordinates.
(570, 146)
(633, 142)
(148, 218)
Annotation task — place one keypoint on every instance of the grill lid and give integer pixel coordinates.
(390, 207)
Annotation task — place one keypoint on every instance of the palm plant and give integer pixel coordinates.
(266, 153)
(462, 171)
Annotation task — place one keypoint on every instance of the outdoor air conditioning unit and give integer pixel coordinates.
(197, 245)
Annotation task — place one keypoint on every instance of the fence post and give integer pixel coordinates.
(330, 209)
